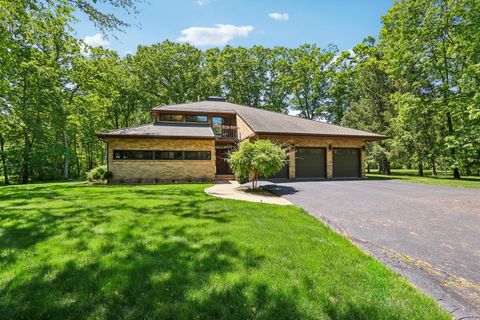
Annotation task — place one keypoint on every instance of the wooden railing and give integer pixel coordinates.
(226, 132)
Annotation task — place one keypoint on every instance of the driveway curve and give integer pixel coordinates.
(429, 233)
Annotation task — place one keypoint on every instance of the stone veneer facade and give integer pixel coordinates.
(152, 171)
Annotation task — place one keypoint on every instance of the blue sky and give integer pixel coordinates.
(213, 23)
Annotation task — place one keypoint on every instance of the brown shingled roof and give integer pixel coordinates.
(170, 130)
(268, 122)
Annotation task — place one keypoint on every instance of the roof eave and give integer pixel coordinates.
(365, 137)
(150, 136)
(152, 111)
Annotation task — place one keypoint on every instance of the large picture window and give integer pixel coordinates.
(189, 118)
(171, 117)
(160, 155)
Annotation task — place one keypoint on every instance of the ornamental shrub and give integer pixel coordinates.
(255, 159)
(99, 173)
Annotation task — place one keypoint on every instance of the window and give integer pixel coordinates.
(197, 155)
(217, 122)
(171, 117)
(168, 155)
(196, 119)
(132, 155)
(160, 155)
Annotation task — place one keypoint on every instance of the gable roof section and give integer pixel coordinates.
(163, 130)
(269, 122)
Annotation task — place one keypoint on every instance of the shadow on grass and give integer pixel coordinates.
(170, 279)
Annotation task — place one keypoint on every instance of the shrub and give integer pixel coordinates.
(255, 159)
(99, 173)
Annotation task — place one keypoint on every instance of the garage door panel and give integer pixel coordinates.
(346, 162)
(310, 162)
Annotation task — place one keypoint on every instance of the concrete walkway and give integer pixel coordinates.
(232, 190)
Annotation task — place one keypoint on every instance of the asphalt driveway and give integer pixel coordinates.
(431, 234)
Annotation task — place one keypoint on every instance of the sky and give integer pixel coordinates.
(215, 23)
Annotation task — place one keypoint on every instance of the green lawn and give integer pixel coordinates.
(439, 180)
(73, 251)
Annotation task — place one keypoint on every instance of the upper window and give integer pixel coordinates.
(190, 118)
(171, 117)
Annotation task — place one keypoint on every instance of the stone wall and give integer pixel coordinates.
(299, 141)
(151, 171)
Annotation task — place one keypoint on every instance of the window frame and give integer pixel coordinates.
(171, 115)
(123, 153)
(201, 155)
(196, 116)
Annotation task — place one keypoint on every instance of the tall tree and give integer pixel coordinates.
(310, 79)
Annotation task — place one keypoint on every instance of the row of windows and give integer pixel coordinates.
(180, 118)
(160, 155)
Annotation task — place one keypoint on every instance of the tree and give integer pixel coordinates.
(310, 72)
(371, 108)
(255, 159)
(424, 42)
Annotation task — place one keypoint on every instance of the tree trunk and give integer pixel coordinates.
(26, 159)
(434, 168)
(420, 169)
(368, 167)
(4, 160)
(77, 162)
(386, 167)
(65, 156)
(456, 171)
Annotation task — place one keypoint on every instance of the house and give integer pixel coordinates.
(190, 142)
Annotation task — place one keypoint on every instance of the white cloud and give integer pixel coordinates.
(96, 40)
(202, 2)
(221, 34)
(278, 16)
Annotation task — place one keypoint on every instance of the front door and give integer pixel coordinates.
(221, 161)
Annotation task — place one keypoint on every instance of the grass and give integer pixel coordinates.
(439, 180)
(74, 251)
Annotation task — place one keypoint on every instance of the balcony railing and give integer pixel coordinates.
(226, 132)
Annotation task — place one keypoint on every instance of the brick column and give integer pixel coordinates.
(363, 162)
(329, 163)
(291, 162)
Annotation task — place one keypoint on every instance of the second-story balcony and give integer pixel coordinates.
(223, 132)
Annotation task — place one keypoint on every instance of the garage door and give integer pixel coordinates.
(310, 163)
(346, 163)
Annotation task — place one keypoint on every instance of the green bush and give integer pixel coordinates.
(255, 159)
(99, 173)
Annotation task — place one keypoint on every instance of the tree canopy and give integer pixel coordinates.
(418, 83)
(255, 159)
